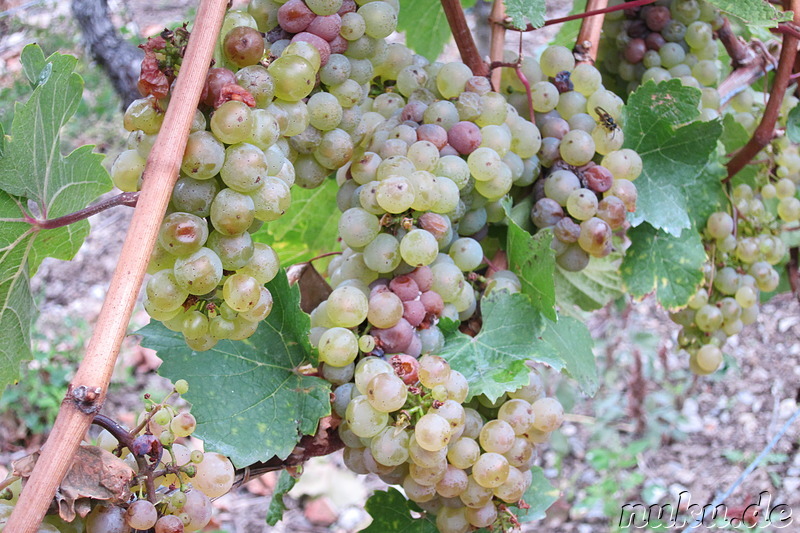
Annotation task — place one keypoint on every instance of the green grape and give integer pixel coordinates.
(258, 82)
(262, 308)
(294, 77)
(357, 227)
(387, 393)
(556, 59)
(324, 111)
(467, 254)
(182, 233)
(708, 318)
(263, 265)
(363, 419)
(380, 19)
(232, 212)
(452, 78)
(232, 122)
(490, 470)
(385, 309)
(577, 148)
(548, 414)
(432, 432)
(709, 358)
(245, 167)
(395, 194)
(347, 306)
(198, 273)
(271, 200)
(544, 97)
(194, 196)
(127, 170)
(234, 251)
(418, 247)
(144, 114)
(719, 225)
(383, 253)
(241, 292)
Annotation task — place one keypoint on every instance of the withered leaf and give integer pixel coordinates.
(95, 473)
(313, 288)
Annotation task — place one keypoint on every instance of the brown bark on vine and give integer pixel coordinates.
(117, 57)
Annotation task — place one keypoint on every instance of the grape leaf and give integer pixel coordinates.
(672, 266)
(521, 10)
(734, 136)
(494, 360)
(568, 343)
(540, 496)
(16, 303)
(532, 259)
(33, 166)
(308, 228)
(568, 33)
(250, 389)
(753, 12)
(425, 26)
(277, 507)
(591, 288)
(674, 153)
(793, 125)
(391, 513)
(514, 332)
(33, 172)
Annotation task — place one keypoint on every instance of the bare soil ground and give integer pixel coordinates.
(700, 434)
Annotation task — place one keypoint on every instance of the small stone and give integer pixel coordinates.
(320, 511)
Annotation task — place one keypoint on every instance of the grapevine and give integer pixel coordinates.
(462, 189)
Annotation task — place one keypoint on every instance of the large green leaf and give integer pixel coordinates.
(16, 303)
(514, 332)
(674, 153)
(250, 400)
(753, 12)
(494, 360)
(33, 166)
(671, 266)
(38, 181)
(391, 513)
(523, 11)
(425, 26)
(591, 288)
(532, 259)
(309, 227)
(567, 345)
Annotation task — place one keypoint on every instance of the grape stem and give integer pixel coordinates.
(517, 66)
(87, 391)
(125, 198)
(586, 44)
(463, 37)
(506, 22)
(766, 129)
(125, 439)
(741, 54)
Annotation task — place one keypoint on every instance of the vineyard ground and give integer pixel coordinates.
(697, 438)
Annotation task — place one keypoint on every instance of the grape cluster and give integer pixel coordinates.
(185, 480)
(585, 184)
(405, 422)
(664, 40)
(742, 251)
